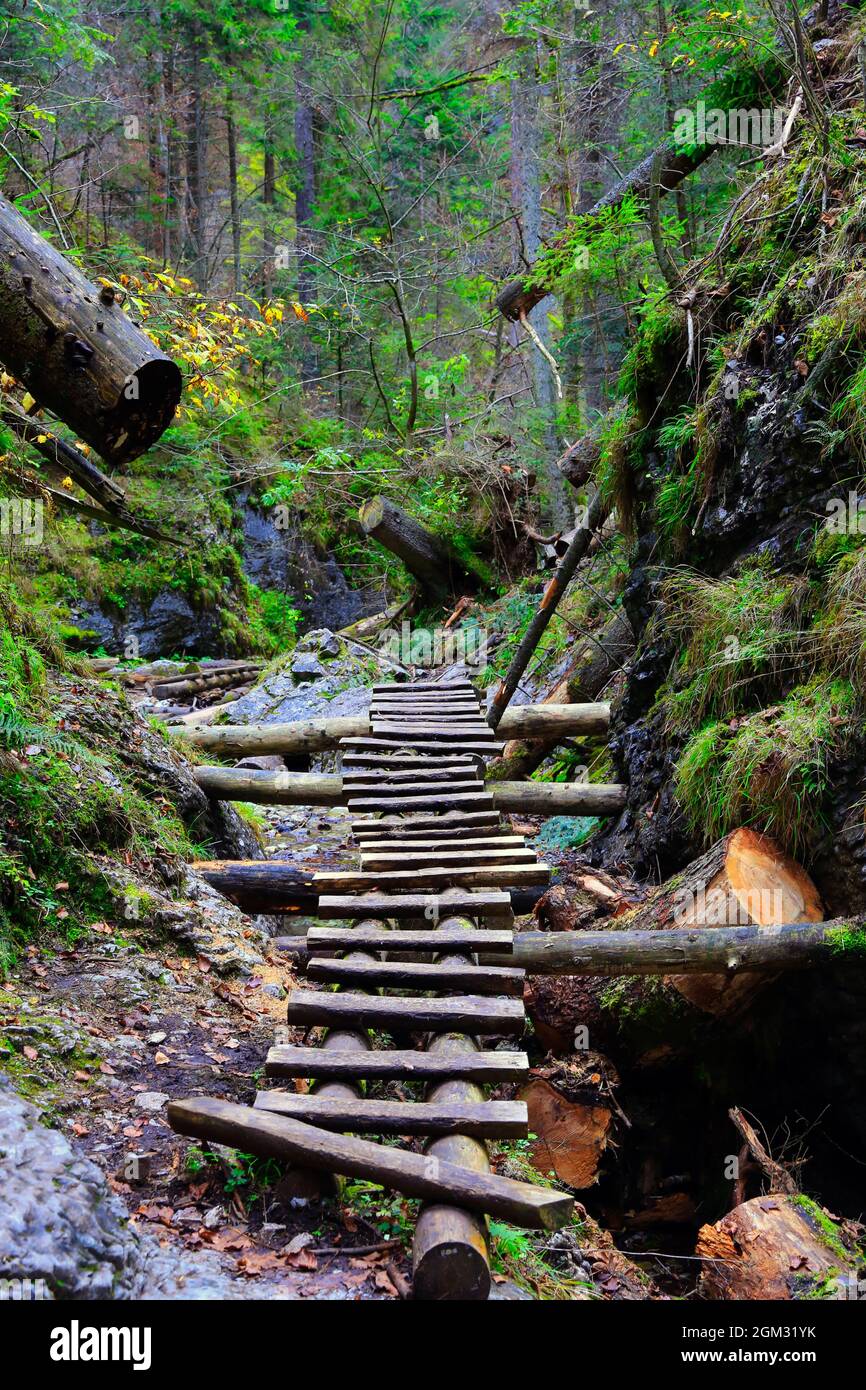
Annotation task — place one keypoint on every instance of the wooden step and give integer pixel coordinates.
(417, 1175)
(429, 906)
(396, 1065)
(391, 858)
(409, 762)
(451, 732)
(482, 875)
(473, 1014)
(486, 1119)
(414, 687)
(397, 844)
(452, 823)
(450, 800)
(426, 705)
(415, 784)
(395, 974)
(363, 742)
(393, 778)
(382, 939)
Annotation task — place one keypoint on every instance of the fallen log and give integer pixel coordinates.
(375, 622)
(70, 343)
(727, 951)
(432, 562)
(778, 1247)
(555, 720)
(417, 1175)
(745, 880)
(327, 789)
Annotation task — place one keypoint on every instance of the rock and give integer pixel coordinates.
(152, 1101)
(307, 666)
(168, 624)
(60, 1223)
(267, 762)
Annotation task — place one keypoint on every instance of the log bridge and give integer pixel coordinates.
(436, 860)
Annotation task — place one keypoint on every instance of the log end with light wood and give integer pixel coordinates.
(777, 1247)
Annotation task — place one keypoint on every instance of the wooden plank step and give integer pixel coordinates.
(425, 905)
(396, 1065)
(395, 974)
(421, 704)
(454, 823)
(482, 939)
(487, 1119)
(391, 858)
(428, 714)
(398, 845)
(434, 733)
(482, 875)
(416, 784)
(409, 761)
(468, 1013)
(392, 780)
(417, 1175)
(391, 687)
(442, 801)
(363, 742)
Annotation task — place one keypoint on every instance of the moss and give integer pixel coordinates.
(824, 1224)
(847, 940)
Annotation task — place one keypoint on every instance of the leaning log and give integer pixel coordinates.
(432, 562)
(326, 789)
(553, 721)
(70, 343)
(597, 660)
(279, 1136)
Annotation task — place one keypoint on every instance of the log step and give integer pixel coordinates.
(425, 905)
(478, 733)
(450, 800)
(468, 1013)
(478, 979)
(416, 1175)
(397, 779)
(400, 844)
(444, 857)
(397, 1065)
(413, 687)
(451, 823)
(460, 876)
(363, 742)
(409, 762)
(381, 939)
(488, 1119)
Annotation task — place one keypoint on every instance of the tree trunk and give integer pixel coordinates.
(776, 1247)
(745, 880)
(231, 138)
(570, 1115)
(427, 557)
(525, 173)
(305, 196)
(195, 165)
(326, 789)
(76, 351)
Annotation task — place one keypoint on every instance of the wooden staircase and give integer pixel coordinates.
(435, 858)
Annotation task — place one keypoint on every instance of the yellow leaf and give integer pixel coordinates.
(28, 401)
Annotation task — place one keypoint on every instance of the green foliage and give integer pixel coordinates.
(770, 769)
